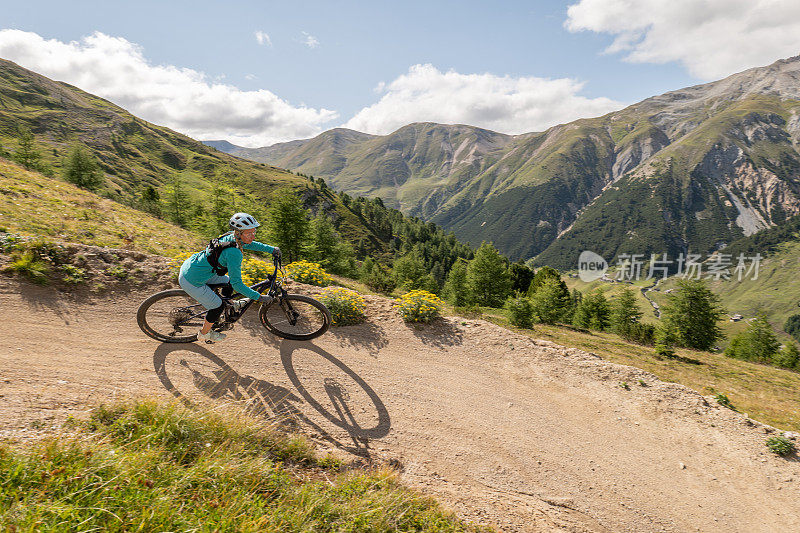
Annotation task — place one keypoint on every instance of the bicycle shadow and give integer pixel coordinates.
(366, 336)
(214, 379)
(252, 324)
(337, 394)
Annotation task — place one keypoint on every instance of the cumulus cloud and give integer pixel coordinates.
(712, 39)
(309, 40)
(263, 38)
(180, 98)
(500, 103)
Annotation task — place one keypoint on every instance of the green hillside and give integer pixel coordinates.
(135, 155)
(38, 206)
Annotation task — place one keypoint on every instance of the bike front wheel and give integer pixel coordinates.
(171, 316)
(296, 317)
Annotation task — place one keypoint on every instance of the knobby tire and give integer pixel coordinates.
(314, 319)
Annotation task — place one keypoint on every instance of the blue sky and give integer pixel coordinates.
(260, 72)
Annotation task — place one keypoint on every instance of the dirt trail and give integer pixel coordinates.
(503, 429)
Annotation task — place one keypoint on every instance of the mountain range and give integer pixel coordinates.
(690, 170)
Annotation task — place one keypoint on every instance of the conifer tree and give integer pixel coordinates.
(27, 154)
(81, 168)
(787, 357)
(550, 302)
(488, 280)
(150, 201)
(219, 211)
(692, 313)
(178, 204)
(455, 287)
(757, 343)
(288, 224)
(593, 311)
(625, 312)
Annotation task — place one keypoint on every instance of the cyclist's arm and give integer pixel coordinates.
(259, 247)
(234, 264)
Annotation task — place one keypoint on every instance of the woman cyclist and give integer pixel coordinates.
(223, 255)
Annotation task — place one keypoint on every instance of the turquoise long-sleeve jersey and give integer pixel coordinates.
(197, 270)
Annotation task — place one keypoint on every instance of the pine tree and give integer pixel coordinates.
(541, 276)
(521, 277)
(27, 154)
(488, 280)
(81, 168)
(410, 273)
(322, 241)
(218, 214)
(792, 326)
(593, 311)
(550, 302)
(289, 225)
(757, 343)
(455, 287)
(150, 201)
(179, 205)
(693, 312)
(326, 246)
(787, 357)
(625, 312)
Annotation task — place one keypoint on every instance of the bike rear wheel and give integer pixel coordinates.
(296, 317)
(171, 316)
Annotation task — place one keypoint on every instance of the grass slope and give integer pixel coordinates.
(38, 206)
(146, 467)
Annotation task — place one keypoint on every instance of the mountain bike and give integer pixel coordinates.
(174, 316)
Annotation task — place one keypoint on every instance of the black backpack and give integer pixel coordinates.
(215, 247)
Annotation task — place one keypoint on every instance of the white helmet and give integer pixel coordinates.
(243, 221)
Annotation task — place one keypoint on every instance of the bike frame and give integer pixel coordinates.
(270, 282)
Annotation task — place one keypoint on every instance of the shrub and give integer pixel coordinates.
(73, 274)
(308, 272)
(724, 401)
(346, 306)
(639, 333)
(27, 264)
(117, 271)
(780, 445)
(47, 251)
(520, 312)
(787, 357)
(419, 306)
(255, 270)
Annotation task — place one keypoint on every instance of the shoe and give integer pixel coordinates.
(238, 305)
(211, 336)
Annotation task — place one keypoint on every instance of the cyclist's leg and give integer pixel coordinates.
(207, 298)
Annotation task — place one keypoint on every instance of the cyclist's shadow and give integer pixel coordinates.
(216, 380)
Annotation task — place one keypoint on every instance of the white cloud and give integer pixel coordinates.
(500, 103)
(263, 38)
(180, 98)
(712, 38)
(309, 40)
